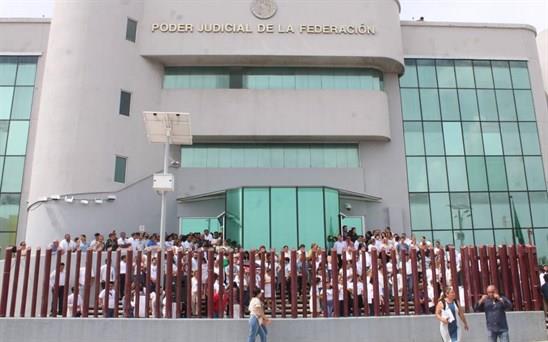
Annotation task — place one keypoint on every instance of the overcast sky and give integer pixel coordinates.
(533, 12)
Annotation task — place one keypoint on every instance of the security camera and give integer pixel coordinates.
(348, 206)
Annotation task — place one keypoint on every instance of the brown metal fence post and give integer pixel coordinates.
(158, 294)
(395, 282)
(493, 267)
(45, 284)
(474, 274)
(273, 283)
(335, 283)
(344, 285)
(231, 284)
(68, 261)
(355, 294)
(5, 283)
(55, 299)
(324, 283)
(505, 271)
(524, 276)
(35, 282)
(117, 282)
(252, 273)
(282, 282)
(424, 307)
(365, 284)
(148, 284)
(189, 276)
(241, 282)
(465, 267)
(385, 282)
(293, 284)
(76, 283)
(405, 288)
(179, 284)
(443, 269)
(127, 287)
(375, 280)
(15, 284)
(453, 269)
(138, 283)
(314, 285)
(304, 281)
(87, 283)
(97, 283)
(534, 275)
(221, 282)
(210, 261)
(107, 284)
(414, 273)
(168, 285)
(435, 292)
(484, 268)
(263, 271)
(512, 255)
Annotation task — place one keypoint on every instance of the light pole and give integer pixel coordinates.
(166, 128)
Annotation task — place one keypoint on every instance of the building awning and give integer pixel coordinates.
(345, 194)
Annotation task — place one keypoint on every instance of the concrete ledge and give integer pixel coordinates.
(524, 327)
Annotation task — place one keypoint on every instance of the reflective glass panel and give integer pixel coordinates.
(283, 228)
(26, 72)
(535, 173)
(520, 75)
(524, 105)
(441, 210)
(256, 217)
(427, 73)
(332, 211)
(510, 138)
(468, 104)
(463, 238)
(409, 78)
(500, 207)
(120, 169)
(473, 142)
(496, 173)
(234, 208)
(416, 174)
(198, 225)
(6, 99)
(452, 134)
(430, 104)
(17, 139)
(437, 173)
(22, 103)
(465, 74)
(8, 68)
(506, 105)
(13, 174)
(414, 144)
(420, 211)
(9, 212)
(541, 241)
(4, 125)
(310, 216)
(503, 237)
(501, 74)
(477, 174)
(481, 209)
(521, 204)
(487, 105)
(483, 74)
(491, 138)
(539, 208)
(529, 137)
(516, 173)
(484, 237)
(460, 209)
(449, 104)
(445, 73)
(456, 170)
(433, 138)
(410, 104)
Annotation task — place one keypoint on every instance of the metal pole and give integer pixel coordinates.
(163, 210)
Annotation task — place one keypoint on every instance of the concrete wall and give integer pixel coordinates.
(524, 327)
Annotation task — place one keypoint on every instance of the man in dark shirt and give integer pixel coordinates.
(544, 290)
(495, 306)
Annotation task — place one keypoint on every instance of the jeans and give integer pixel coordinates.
(256, 329)
(494, 336)
(330, 308)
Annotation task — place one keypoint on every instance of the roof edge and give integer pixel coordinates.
(26, 20)
(469, 25)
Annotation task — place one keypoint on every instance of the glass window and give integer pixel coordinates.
(504, 237)
(433, 138)
(501, 74)
(541, 241)
(456, 170)
(483, 74)
(520, 75)
(283, 228)
(477, 176)
(460, 209)
(6, 99)
(410, 104)
(539, 208)
(487, 105)
(441, 210)
(409, 78)
(516, 173)
(496, 173)
(8, 69)
(465, 74)
(234, 208)
(7, 239)
(256, 217)
(444, 237)
(524, 105)
(13, 174)
(491, 138)
(26, 72)
(332, 211)
(414, 144)
(484, 237)
(427, 73)
(520, 201)
(510, 138)
(416, 174)
(437, 173)
(212, 157)
(22, 103)
(120, 169)
(468, 104)
(4, 125)
(125, 102)
(463, 237)
(529, 138)
(310, 216)
(481, 209)
(9, 212)
(535, 173)
(17, 139)
(473, 143)
(501, 210)
(506, 105)
(452, 134)
(190, 225)
(420, 211)
(449, 104)
(446, 73)
(423, 234)
(430, 104)
(131, 30)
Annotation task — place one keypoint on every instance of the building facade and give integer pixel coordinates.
(305, 116)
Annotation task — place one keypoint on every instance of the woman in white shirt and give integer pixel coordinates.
(447, 311)
(257, 318)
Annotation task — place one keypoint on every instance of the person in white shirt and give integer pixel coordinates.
(123, 241)
(104, 274)
(137, 243)
(195, 300)
(70, 305)
(123, 271)
(82, 278)
(340, 247)
(55, 247)
(67, 244)
(257, 318)
(108, 312)
(60, 290)
(207, 235)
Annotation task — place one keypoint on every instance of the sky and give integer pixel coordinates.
(532, 12)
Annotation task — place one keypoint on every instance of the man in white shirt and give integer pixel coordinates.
(60, 290)
(340, 246)
(108, 312)
(123, 241)
(70, 305)
(55, 247)
(207, 235)
(137, 243)
(104, 274)
(67, 245)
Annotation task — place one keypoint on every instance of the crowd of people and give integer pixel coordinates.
(352, 252)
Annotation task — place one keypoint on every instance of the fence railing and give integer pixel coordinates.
(187, 284)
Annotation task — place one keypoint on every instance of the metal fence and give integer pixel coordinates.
(200, 284)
